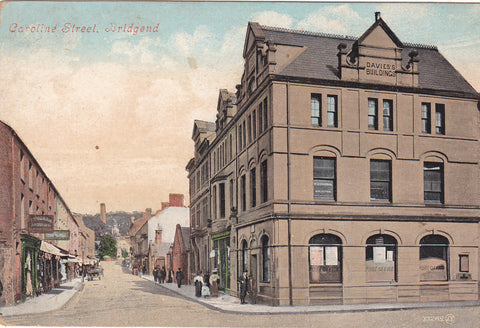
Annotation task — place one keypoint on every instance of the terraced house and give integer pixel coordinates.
(343, 170)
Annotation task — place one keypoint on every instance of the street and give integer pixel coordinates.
(121, 299)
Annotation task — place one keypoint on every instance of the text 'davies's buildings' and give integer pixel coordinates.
(343, 170)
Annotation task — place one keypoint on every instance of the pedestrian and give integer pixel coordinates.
(170, 275)
(179, 277)
(155, 275)
(198, 281)
(243, 281)
(1, 291)
(206, 285)
(162, 275)
(214, 280)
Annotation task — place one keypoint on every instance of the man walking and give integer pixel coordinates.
(179, 277)
(243, 281)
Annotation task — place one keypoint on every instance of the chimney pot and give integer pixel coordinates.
(377, 15)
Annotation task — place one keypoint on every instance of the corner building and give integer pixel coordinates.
(345, 170)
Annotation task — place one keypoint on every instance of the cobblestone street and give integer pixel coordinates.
(121, 299)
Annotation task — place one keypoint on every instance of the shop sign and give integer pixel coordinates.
(41, 223)
(58, 235)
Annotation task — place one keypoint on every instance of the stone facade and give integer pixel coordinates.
(342, 171)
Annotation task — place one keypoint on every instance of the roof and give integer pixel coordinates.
(136, 225)
(160, 250)
(319, 60)
(185, 236)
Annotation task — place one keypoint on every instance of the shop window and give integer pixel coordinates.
(439, 118)
(387, 115)
(265, 259)
(253, 188)
(433, 182)
(316, 109)
(381, 258)
(426, 118)
(380, 180)
(325, 255)
(372, 114)
(324, 178)
(332, 111)
(434, 258)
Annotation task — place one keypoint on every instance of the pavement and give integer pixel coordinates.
(54, 299)
(229, 304)
(59, 296)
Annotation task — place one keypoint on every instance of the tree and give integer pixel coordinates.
(108, 247)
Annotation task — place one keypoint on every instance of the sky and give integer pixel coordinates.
(109, 114)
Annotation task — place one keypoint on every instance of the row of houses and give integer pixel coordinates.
(342, 170)
(161, 239)
(42, 242)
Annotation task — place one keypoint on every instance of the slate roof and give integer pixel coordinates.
(161, 250)
(137, 225)
(205, 125)
(186, 236)
(320, 61)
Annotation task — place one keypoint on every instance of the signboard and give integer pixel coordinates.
(41, 223)
(58, 235)
(316, 255)
(331, 255)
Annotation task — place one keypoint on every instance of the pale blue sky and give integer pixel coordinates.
(136, 96)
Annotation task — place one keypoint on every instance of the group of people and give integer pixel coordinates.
(159, 275)
(206, 285)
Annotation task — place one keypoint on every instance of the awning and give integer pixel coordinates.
(74, 260)
(49, 248)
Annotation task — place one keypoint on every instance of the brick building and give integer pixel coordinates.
(343, 170)
(29, 208)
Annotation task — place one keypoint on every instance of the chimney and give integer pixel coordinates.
(148, 212)
(164, 205)
(175, 200)
(377, 15)
(158, 236)
(103, 213)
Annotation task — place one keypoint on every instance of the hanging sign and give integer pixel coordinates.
(41, 223)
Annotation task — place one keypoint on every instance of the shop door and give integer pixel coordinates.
(252, 288)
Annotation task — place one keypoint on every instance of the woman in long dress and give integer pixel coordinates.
(214, 279)
(198, 281)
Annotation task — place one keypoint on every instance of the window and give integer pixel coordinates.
(254, 124)
(265, 259)
(231, 146)
(22, 166)
(243, 256)
(325, 255)
(426, 118)
(324, 178)
(240, 138)
(249, 128)
(22, 212)
(231, 193)
(214, 200)
(316, 109)
(387, 115)
(433, 258)
(433, 182)
(221, 190)
(332, 115)
(243, 191)
(260, 118)
(439, 118)
(253, 188)
(264, 181)
(244, 142)
(381, 258)
(265, 114)
(372, 114)
(380, 180)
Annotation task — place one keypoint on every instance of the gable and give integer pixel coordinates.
(378, 38)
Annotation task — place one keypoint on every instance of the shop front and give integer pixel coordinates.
(221, 256)
(30, 265)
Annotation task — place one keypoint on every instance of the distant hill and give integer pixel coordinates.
(118, 223)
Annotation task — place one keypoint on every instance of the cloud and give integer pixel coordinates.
(272, 18)
(334, 19)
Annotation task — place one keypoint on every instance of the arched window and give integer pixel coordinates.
(243, 264)
(381, 258)
(325, 258)
(433, 258)
(265, 259)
